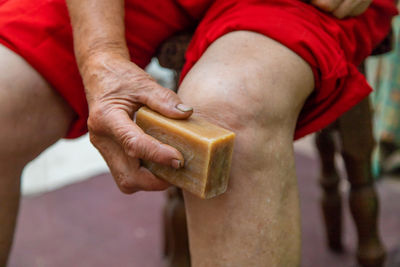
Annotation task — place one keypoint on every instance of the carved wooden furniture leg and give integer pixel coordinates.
(176, 237)
(331, 202)
(355, 130)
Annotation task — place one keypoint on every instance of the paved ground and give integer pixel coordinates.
(92, 224)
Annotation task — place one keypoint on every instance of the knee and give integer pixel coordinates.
(247, 104)
(264, 129)
(247, 96)
(26, 129)
(253, 86)
(32, 114)
(15, 148)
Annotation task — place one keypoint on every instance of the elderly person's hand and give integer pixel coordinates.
(116, 88)
(342, 8)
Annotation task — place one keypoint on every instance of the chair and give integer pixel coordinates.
(355, 132)
(356, 145)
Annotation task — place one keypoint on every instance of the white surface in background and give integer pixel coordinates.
(63, 163)
(306, 146)
(70, 161)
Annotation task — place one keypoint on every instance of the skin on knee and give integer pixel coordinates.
(256, 87)
(33, 116)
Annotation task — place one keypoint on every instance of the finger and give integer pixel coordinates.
(326, 5)
(137, 178)
(166, 102)
(345, 8)
(129, 176)
(361, 8)
(148, 181)
(137, 144)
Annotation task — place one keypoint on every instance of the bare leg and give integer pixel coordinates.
(32, 117)
(256, 87)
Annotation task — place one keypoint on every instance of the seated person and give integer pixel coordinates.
(271, 71)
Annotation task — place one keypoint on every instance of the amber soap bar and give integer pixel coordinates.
(206, 148)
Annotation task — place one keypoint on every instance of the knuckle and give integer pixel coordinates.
(161, 95)
(165, 95)
(143, 78)
(93, 139)
(126, 189)
(143, 83)
(150, 148)
(143, 98)
(326, 5)
(125, 185)
(149, 154)
(96, 119)
(340, 15)
(361, 7)
(132, 145)
(141, 147)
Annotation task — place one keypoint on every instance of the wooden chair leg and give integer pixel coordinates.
(355, 130)
(176, 242)
(331, 202)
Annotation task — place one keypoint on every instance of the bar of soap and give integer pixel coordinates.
(206, 148)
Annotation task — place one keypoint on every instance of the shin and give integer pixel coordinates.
(256, 87)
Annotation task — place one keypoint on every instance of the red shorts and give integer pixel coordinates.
(40, 32)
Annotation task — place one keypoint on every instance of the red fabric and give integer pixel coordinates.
(331, 46)
(40, 31)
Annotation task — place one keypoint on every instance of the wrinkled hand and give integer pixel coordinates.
(342, 8)
(116, 88)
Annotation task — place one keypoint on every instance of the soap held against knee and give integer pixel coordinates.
(206, 148)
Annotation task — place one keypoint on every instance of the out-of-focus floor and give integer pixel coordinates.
(91, 224)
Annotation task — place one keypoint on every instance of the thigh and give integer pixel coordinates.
(32, 114)
(256, 87)
(32, 117)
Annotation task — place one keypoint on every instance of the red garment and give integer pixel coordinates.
(40, 32)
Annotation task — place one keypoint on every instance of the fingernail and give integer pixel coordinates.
(183, 108)
(176, 164)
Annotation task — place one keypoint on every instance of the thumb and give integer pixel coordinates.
(166, 102)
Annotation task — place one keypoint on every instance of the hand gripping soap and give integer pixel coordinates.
(206, 149)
